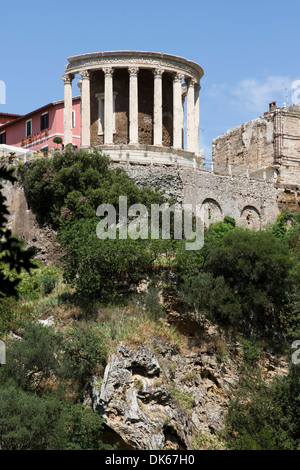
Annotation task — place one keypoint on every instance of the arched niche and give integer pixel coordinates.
(250, 217)
(211, 212)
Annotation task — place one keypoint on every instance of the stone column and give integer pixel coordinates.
(157, 112)
(108, 106)
(85, 110)
(177, 112)
(133, 105)
(190, 115)
(67, 108)
(183, 97)
(197, 116)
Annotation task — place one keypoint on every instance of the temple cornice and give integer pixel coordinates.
(123, 59)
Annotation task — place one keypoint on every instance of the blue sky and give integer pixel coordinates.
(249, 50)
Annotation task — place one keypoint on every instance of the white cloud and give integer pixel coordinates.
(255, 95)
(216, 91)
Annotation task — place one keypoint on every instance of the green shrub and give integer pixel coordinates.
(30, 362)
(263, 415)
(153, 305)
(211, 297)
(240, 277)
(13, 315)
(85, 350)
(251, 350)
(29, 422)
(41, 281)
(48, 283)
(73, 184)
(100, 269)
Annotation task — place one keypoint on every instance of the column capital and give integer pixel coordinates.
(158, 72)
(108, 70)
(190, 81)
(85, 74)
(68, 78)
(178, 76)
(133, 70)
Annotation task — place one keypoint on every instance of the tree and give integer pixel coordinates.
(191, 263)
(242, 278)
(255, 265)
(29, 422)
(102, 268)
(85, 352)
(58, 140)
(73, 184)
(211, 297)
(34, 411)
(34, 359)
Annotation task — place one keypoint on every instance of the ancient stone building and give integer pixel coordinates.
(134, 104)
(270, 142)
(266, 148)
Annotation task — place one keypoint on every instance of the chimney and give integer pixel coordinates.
(272, 106)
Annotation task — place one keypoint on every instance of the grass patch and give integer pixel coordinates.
(136, 330)
(207, 441)
(184, 398)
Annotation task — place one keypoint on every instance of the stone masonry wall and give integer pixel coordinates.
(250, 145)
(273, 139)
(145, 106)
(288, 131)
(252, 203)
(121, 87)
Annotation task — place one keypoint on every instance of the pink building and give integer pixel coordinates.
(36, 130)
(5, 118)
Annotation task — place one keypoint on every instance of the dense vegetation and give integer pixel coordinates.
(37, 409)
(245, 281)
(265, 416)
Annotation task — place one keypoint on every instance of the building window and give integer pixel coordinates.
(44, 121)
(73, 118)
(3, 138)
(100, 97)
(28, 128)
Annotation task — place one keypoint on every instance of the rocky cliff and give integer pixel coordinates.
(22, 222)
(164, 398)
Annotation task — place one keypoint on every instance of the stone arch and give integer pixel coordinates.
(250, 217)
(211, 212)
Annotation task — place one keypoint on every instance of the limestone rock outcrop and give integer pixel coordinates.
(161, 400)
(22, 222)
